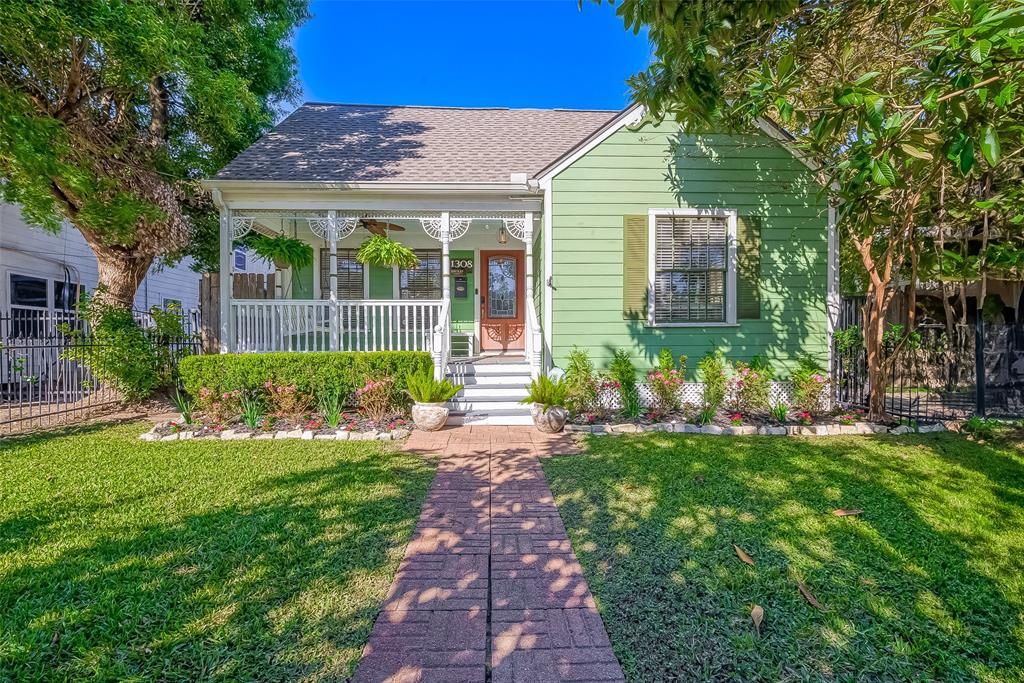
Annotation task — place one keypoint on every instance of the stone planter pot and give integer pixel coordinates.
(429, 417)
(549, 421)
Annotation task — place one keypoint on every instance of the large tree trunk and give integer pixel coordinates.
(120, 275)
(874, 328)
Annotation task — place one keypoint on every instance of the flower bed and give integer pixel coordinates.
(820, 429)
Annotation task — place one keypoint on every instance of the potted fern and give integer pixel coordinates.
(547, 397)
(429, 395)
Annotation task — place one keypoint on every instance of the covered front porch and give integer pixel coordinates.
(473, 292)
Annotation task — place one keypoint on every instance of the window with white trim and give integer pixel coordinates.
(691, 268)
(423, 281)
(241, 258)
(350, 275)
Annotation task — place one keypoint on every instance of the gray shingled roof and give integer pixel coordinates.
(360, 143)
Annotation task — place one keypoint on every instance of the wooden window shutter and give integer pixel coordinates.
(748, 267)
(634, 267)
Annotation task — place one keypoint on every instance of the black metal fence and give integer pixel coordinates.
(938, 375)
(42, 381)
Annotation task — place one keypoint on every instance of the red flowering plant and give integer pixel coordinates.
(736, 419)
(219, 407)
(805, 417)
(313, 423)
(665, 385)
(376, 398)
(846, 418)
(175, 427)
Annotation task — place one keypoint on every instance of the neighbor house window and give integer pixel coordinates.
(350, 274)
(240, 259)
(423, 281)
(691, 263)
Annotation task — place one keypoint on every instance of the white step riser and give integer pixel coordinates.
(490, 370)
(504, 380)
(500, 420)
(484, 405)
(485, 391)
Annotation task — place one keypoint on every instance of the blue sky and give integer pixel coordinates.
(474, 53)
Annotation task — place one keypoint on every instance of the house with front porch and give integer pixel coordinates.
(536, 231)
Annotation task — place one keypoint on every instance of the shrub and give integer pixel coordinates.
(546, 392)
(582, 385)
(810, 385)
(665, 386)
(423, 388)
(117, 352)
(623, 372)
(711, 371)
(750, 386)
(312, 373)
(376, 398)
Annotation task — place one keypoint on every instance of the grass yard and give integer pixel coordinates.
(259, 560)
(926, 584)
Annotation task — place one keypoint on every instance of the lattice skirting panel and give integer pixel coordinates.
(692, 393)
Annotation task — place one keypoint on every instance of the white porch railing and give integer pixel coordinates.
(442, 340)
(534, 338)
(323, 325)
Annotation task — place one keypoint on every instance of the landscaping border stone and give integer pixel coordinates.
(299, 434)
(857, 428)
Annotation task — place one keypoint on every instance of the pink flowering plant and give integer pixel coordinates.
(376, 398)
(810, 387)
(665, 385)
(286, 401)
(750, 386)
(736, 419)
(804, 417)
(219, 407)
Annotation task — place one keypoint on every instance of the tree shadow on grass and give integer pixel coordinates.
(924, 585)
(284, 585)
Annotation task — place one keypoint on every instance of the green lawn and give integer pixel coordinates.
(121, 560)
(926, 584)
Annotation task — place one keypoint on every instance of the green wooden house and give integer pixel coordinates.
(536, 231)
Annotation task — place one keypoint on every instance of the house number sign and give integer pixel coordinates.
(461, 266)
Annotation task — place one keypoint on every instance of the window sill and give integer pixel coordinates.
(657, 325)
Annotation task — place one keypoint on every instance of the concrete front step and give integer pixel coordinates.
(486, 403)
(490, 370)
(496, 391)
(491, 417)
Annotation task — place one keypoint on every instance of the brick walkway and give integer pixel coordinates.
(489, 574)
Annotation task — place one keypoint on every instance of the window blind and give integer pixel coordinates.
(691, 260)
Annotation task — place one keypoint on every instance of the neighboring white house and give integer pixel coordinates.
(43, 271)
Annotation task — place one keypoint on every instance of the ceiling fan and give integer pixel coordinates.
(380, 227)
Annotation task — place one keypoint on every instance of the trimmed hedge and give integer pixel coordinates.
(312, 373)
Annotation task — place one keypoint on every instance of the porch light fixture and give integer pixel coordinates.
(502, 235)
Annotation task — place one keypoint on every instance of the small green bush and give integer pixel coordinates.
(711, 371)
(750, 386)
(545, 391)
(623, 372)
(313, 373)
(582, 384)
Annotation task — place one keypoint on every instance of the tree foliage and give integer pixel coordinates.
(911, 111)
(111, 111)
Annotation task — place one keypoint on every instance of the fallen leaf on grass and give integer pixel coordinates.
(808, 595)
(847, 513)
(743, 556)
(757, 616)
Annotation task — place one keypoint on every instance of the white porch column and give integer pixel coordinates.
(332, 234)
(446, 270)
(227, 340)
(532, 347)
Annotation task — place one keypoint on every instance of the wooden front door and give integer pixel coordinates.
(502, 326)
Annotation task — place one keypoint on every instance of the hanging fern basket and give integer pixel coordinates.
(381, 251)
(284, 251)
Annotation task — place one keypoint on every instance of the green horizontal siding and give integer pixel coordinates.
(656, 167)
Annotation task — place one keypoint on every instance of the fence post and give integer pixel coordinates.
(979, 363)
